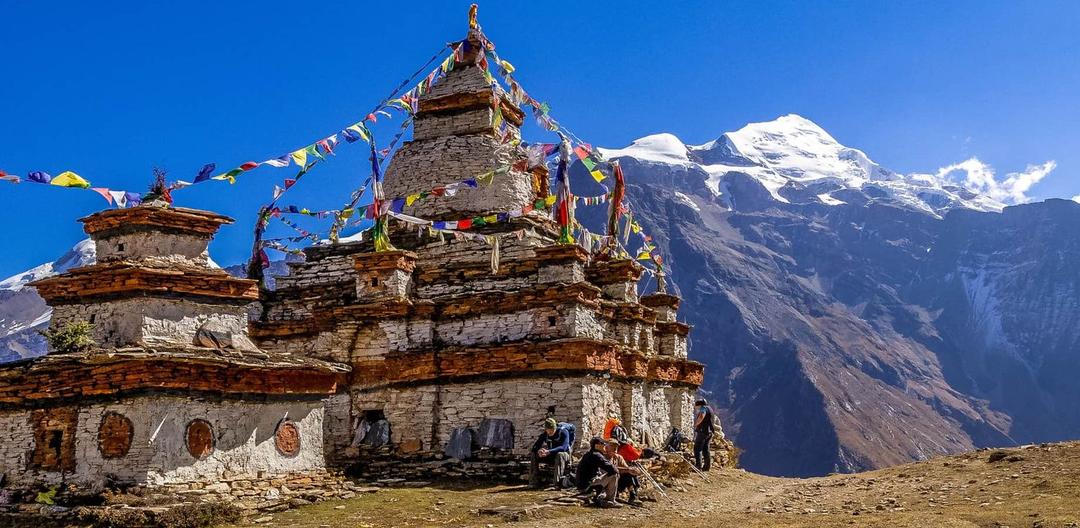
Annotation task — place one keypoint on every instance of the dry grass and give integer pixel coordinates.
(1032, 487)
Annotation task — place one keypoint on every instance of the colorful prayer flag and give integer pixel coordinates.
(70, 179)
(39, 177)
(299, 157)
(104, 194)
(205, 172)
(279, 162)
(119, 198)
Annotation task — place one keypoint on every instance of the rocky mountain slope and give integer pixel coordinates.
(23, 313)
(852, 317)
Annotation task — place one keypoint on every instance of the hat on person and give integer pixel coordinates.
(550, 423)
(596, 440)
(700, 402)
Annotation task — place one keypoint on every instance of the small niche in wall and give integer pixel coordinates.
(54, 439)
(120, 247)
(287, 439)
(374, 428)
(374, 282)
(552, 320)
(114, 435)
(200, 439)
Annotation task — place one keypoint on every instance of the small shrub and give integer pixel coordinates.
(70, 338)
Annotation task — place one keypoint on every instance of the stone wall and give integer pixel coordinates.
(244, 442)
(159, 248)
(419, 166)
(643, 407)
(454, 139)
(16, 443)
(419, 415)
(151, 321)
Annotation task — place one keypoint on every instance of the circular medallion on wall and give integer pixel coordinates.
(287, 439)
(114, 435)
(200, 439)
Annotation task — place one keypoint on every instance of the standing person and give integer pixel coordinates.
(552, 447)
(596, 471)
(703, 431)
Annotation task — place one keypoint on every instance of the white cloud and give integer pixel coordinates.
(979, 177)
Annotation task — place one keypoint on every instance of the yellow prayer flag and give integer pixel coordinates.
(300, 157)
(549, 200)
(411, 198)
(70, 179)
(362, 131)
(644, 256)
(597, 175)
(486, 178)
(491, 219)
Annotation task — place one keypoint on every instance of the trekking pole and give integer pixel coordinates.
(651, 480)
(695, 468)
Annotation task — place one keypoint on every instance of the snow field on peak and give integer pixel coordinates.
(792, 150)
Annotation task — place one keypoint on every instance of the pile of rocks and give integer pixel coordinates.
(485, 466)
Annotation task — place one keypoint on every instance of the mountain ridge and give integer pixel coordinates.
(862, 331)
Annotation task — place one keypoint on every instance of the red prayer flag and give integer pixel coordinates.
(464, 224)
(248, 166)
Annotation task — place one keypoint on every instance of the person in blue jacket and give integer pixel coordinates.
(552, 447)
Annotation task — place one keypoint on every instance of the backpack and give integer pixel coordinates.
(675, 441)
(571, 432)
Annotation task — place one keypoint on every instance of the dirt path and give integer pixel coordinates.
(1037, 487)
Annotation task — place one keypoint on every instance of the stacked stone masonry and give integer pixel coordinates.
(197, 377)
(438, 340)
(172, 392)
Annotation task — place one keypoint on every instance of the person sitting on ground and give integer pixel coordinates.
(703, 431)
(628, 475)
(552, 447)
(595, 472)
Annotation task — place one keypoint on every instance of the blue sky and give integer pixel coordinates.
(112, 93)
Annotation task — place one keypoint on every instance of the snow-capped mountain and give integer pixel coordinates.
(852, 317)
(23, 313)
(798, 161)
